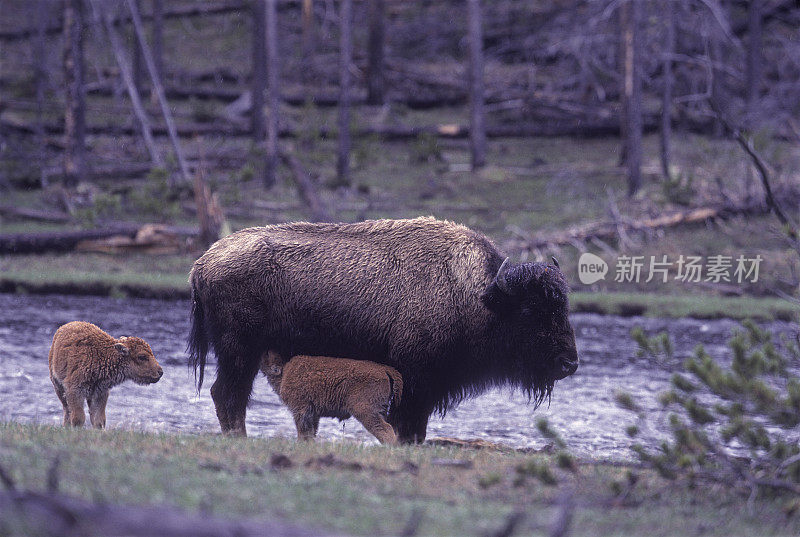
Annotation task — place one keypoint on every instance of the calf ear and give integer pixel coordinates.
(122, 349)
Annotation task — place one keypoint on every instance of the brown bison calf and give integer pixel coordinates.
(317, 386)
(85, 363)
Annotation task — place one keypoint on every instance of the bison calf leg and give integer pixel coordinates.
(61, 397)
(377, 426)
(75, 401)
(307, 423)
(97, 409)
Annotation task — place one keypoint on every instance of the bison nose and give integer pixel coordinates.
(160, 372)
(567, 365)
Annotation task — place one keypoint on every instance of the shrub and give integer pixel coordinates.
(741, 440)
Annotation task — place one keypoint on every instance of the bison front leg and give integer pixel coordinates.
(97, 408)
(410, 423)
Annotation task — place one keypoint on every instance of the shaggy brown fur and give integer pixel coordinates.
(317, 386)
(85, 363)
(433, 299)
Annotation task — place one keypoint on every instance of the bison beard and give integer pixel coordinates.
(432, 299)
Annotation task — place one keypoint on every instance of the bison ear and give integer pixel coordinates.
(498, 300)
(122, 349)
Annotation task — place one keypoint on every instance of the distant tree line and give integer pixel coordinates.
(582, 55)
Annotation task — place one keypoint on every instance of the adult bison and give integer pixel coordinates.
(433, 299)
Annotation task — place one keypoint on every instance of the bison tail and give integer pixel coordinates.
(395, 390)
(198, 340)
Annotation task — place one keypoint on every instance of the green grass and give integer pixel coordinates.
(372, 490)
(141, 275)
(697, 306)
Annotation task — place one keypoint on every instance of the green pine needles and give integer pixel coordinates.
(734, 421)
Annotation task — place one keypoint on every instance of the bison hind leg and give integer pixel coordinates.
(62, 396)
(237, 368)
(377, 426)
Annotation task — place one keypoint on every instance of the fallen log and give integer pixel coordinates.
(149, 239)
(612, 229)
(578, 127)
(191, 10)
(416, 101)
(65, 241)
(58, 217)
(57, 514)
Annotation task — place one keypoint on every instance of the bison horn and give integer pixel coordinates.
(555, 261)
(500, 279)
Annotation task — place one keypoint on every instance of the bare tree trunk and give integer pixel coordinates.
(274, 95)
(666, 95)
(375, 52)
(345, 59)
(259, 81)
(308, 42)
(139, 68)
(158, 88)
(102, 18)
(158, 42)
(75, 111)
(4, 182)
(633, 95)
(623, 14)
(754, 59)
(717, 74)
(476, 91)
(40, 55)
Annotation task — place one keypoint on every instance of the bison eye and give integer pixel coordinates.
(142, 357)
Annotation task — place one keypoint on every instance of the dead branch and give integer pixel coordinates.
(7, 480)
(155, 79)
(763, 171)
(563, 518)
(101, 16)
(510, 525)
(611, 229)
(308, 192)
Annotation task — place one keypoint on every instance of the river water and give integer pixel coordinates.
(582, 408)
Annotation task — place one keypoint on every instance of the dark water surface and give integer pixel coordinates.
(582, 407)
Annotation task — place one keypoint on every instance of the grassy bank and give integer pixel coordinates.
(532, 186)
(102, 275)
(369, 490)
